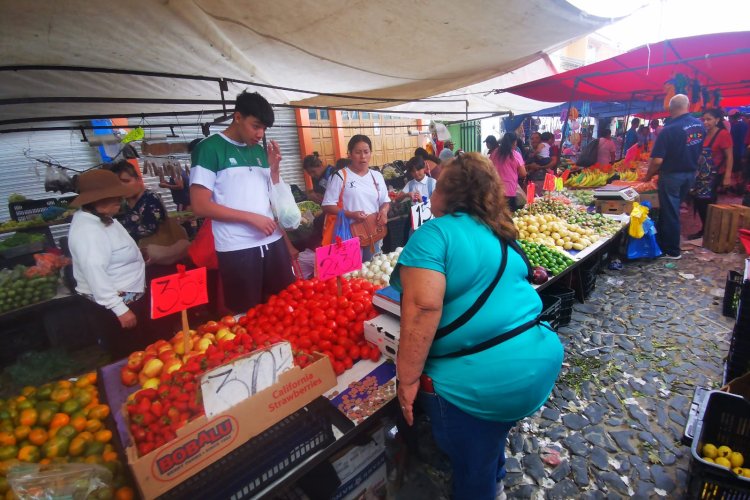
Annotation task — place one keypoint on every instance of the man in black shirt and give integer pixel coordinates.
(675, 160)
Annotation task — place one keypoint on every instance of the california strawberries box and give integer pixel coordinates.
(209, 437)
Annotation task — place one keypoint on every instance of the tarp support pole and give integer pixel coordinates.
(83, 134)
(223, 87)
(567, 114)
(627, 119)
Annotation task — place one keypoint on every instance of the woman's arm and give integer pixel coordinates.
(728, 164)
(421, 309)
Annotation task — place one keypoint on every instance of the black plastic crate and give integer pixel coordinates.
(696, 407)
(732, 291)
(725, 421)
(743, 310)
(551, 310)
(567, 299)
(265, 458)
(31, 209)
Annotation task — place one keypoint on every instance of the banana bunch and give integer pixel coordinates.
(587, 179)
(629, 175)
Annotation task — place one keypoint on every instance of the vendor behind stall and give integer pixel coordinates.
(319, 175)
(107, 264)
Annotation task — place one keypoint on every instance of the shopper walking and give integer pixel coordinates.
(675, 160)
(508, 163)
(230, 182)
(475, 335)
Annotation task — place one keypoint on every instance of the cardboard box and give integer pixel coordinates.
(384, 330)
(362, 469)
(650, 196)
(613, 207)
(204, 441)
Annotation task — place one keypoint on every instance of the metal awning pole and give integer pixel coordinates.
(627, 120)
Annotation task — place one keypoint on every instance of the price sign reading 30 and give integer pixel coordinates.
(177, 292)
(338, 258)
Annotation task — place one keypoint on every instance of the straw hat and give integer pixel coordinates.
(99, 184)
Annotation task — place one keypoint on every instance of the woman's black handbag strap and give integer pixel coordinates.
(482, 299)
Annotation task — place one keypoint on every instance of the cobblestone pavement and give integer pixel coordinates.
(634, 353)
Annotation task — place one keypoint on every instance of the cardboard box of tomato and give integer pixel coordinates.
(207, 439)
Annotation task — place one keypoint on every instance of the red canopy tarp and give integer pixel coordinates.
(718, 61)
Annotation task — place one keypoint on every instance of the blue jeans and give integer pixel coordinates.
(476, 447)
(368, 253)
(673, 188)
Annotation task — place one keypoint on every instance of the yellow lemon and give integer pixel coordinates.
(723, 462)
(710, 451)
(724, 451)
(709, 460)
(736, 459)
(738, 470)
(746, 472)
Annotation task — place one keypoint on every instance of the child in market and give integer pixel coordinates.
(541, 153)
(420, 184)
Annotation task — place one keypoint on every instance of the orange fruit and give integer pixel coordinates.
(124, 493)
(67, 384)
(61, 394)
(29, 454)
(28, 417)
(86, 436)
(110, 456)
(77, 446)
(99, 412)
(59, 420)
(45, 461)
(79, 423)
(28, 391)
(7, 439)
(38, 436)
(103, 436)
(94, 425)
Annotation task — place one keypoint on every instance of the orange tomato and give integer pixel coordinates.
(94, 425)
(38, 436)
(79, 423)
(59, 420)
(29, 454)
(124, 493)
(77, 446)
(61, 394)
(28, 417)
(99, 412)
(7, 439)
(103, 436)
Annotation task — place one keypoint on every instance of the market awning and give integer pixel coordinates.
(717, 61)
(83, 58)
(604, 109)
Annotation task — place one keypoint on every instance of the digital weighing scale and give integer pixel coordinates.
(615, 193)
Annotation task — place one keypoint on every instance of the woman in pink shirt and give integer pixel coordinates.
(606, 150)
(510, 167)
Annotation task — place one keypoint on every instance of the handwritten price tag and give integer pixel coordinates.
(177, 292)
(230, 384)
(420, 213)
(338, 258)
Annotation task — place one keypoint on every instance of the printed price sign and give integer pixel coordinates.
(230, 384)
(420, 213)
(177, 292)
(338, 258)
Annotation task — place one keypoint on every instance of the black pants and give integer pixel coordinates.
(252, 275)
(118, 341)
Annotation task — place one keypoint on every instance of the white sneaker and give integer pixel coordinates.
(500, 495)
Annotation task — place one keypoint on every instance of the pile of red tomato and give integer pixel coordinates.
(313, 317)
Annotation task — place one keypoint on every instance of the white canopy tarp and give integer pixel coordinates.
(388, 51)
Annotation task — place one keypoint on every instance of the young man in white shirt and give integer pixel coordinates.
(230, 183)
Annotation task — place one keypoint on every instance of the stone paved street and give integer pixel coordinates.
(633, 354)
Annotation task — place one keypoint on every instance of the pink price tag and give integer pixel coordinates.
(338, 258)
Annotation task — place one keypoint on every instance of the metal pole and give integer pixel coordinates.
(627, 119)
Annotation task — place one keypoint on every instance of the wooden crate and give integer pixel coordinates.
(723, 222)
(613, 207)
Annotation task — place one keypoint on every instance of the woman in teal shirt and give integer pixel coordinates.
(470, 322)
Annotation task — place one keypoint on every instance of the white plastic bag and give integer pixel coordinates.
(284, 207)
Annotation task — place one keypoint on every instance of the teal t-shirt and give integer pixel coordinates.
(510, 380)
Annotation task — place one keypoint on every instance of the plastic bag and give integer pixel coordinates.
(55, 179)
(55, 481)
(645, 247)
(342, 229)
(284, 207)
(638, 216)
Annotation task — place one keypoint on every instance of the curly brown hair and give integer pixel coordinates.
(469, 183)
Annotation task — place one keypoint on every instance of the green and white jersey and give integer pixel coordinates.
(239, 177)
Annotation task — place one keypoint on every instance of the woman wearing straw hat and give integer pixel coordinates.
(107, 265)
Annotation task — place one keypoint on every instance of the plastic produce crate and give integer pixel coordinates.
(725, 421)
(261, 461)
(30, 209)
(742, 327)
(738, 360)
(696, 408)
(567, 299)
(551, 310)
(732, 291)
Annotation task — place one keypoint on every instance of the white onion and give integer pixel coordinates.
(370, 275)
(386, 280)
(399, 249)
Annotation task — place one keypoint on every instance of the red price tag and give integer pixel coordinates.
(338, 258)
(177, 292)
